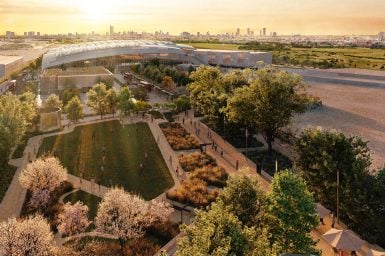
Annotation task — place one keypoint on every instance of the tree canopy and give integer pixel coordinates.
(269, 103)
(291, 214)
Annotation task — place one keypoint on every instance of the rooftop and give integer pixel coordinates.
(76, 71)
(4, 59)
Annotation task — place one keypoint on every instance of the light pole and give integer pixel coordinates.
(338, 186)
(246, 135)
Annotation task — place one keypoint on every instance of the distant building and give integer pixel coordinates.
(123, 52)
(9, 34)
(274, 34)
(38, 34)
(185, 34)
(9, 64)
(264, 31)
(248, 31)
(238, 33)
(381, 36)
(31, 34)
(111, 30)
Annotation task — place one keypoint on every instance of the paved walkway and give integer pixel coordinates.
(231, 155)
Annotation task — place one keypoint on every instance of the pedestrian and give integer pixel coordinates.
(183, 121)
(141, 166)
(145, 155)
(152, 119)
(191, 122)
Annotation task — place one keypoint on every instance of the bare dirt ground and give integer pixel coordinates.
(353, 110)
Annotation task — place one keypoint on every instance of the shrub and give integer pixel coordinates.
(213, 175)
(156, 114)
(178, 137)
(195, 160)
(194, 192)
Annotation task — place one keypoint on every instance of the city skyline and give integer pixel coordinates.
(284, 16)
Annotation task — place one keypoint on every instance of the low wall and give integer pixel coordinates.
(50, 120)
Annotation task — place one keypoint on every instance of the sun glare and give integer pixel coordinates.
(95, 10)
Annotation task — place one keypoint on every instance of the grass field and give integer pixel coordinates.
(88, 199)
(81, 152)
(363, 58)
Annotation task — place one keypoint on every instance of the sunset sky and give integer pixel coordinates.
(217, 16)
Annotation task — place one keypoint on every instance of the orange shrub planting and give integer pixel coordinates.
(213, 175)
(178, 137)
(195, 160)
(194, 192)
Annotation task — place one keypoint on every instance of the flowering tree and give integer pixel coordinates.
(123, 215)
(39, 198)
(31, 236)
(73, 220)
(42, 177)
(159, 211)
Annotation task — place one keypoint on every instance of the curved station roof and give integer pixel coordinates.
(100, 49)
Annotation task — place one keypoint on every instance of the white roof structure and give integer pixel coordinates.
(100, 49)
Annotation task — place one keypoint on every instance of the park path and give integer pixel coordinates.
(231, 155)
(13, 200)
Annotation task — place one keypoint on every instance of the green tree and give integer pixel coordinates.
(68, 93)
(320, 154)
(215, 232)
(74, 109)
(182, 103)
(244, 198)
(269, 103)
(97, 99)
(290, 214)
(13, 124)
(112, 101)
(125, 103)
(30, 87)
(209, 91)
(168, 83)
(52, 102)
(141, 106)
(29, 104)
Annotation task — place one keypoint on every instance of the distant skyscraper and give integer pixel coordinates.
(238, 32)
(111, 30)
(248, 31)
(264, 31)
(9, 35)
(381, 36)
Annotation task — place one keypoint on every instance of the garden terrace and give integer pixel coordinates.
(195, 160)
(113, 154)
(178, 137)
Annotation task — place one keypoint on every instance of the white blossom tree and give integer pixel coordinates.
(73, 220)
(9, 236)
(44, 174)
(31, 236)
(39, 198)
(123, 215)
(159, 211)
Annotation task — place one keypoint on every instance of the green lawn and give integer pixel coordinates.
(332, 57)
(81, 152)
(88, 199)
